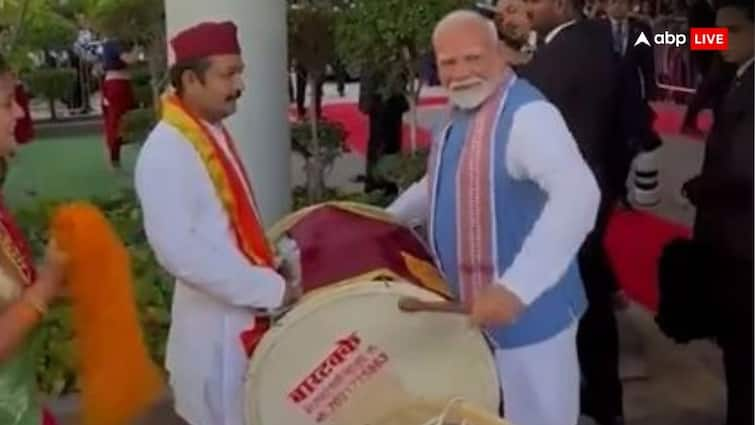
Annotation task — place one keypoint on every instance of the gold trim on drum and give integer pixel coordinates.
(426, 273)
(278, 229)
(374, 276)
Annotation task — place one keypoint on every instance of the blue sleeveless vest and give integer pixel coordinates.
(519, 203)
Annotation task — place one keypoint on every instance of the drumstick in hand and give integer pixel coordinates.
(413, 305)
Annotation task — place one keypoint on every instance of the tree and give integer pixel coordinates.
(141, 22)
(391, 37)
(12, 16)
(32, 26)
(45, 29)
(69, 9)
(312, 45)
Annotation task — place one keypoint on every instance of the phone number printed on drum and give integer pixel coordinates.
(330, 385)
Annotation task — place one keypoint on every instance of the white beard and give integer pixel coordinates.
(472, 97)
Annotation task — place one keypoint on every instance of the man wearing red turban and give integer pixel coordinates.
(202, 222)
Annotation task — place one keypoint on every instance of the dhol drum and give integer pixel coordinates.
(341, 240)
(345, 354)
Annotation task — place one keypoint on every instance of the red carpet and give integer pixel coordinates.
(668, 122)
(357, 127)
(670, 116)
(634, 242)
(634, 239)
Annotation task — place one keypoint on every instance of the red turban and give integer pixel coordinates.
(205, 39)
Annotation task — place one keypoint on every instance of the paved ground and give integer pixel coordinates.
(664, 384)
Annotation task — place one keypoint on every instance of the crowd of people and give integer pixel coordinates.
(518, 190)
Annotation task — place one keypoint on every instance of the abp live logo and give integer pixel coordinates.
(709, 38)
(699, 39)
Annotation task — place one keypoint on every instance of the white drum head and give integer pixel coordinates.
(346, 355)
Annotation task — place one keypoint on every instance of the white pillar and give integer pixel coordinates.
(260, 126)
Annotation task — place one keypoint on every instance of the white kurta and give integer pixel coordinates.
(540, 382)
(216, 286)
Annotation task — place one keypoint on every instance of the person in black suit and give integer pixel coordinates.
(576, 69)
(637, 86)
(723, 195)
(700, 14)
(709, 94)
(384, 103)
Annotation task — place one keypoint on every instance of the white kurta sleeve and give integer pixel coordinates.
(167, 176)
(542, 149)
(411, 207)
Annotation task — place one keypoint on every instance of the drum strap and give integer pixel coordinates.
(250, 338)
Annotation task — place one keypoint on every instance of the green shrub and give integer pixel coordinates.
(143, 95)
(318, 161)
(51, 83)
(141, 84)
(331, 134)
(376, 197)
(402, 169)
(136, 125)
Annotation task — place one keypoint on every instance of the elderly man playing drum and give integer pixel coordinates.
(509, 200)
(202, 222)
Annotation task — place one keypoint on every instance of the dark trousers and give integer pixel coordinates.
(301, 93)
(339, 69)
(735, 336)
(597, 337)
(290, 89)
(385, 139)
(81, 89)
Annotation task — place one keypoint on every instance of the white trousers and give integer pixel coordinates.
(540, 382)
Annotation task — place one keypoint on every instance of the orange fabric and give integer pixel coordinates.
(229, 186)
(119, 381)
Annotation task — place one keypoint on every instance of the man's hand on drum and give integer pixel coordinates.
(293, 284)
(495, 305)
(292, 294)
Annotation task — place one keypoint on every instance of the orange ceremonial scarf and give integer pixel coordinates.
(229, 186)
(118, 379)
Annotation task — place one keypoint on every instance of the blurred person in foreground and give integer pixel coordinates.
(509, 200)
(25, 291)
(723, 195)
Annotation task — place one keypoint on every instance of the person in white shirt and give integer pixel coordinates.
(509, 200)
(202, 223)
